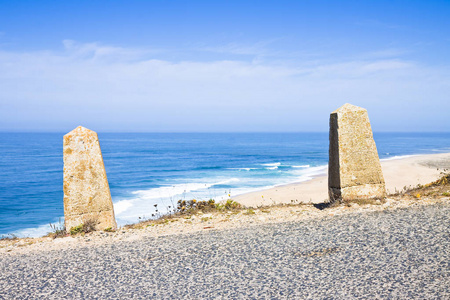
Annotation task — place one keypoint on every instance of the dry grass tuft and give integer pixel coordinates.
(58, 231)
(249, 212)
(8, 237)
(436, 189)
(187, 208)
(89, 225)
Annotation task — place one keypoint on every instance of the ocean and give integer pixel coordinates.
(152, 171)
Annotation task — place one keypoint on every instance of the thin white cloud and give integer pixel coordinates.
(385, 53)
(362, 68)
(387, 65)
(97, 51)
(113, 88)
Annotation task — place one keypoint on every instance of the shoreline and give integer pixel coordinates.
(205, 222)
(399, 173)
(201, 222)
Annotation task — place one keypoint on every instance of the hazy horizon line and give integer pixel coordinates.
(215, 132)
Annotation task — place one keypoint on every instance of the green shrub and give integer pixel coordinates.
(249, 212)
(89, 225)
(191, 205)
(230, 204)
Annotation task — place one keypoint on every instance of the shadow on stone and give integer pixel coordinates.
(322, 206)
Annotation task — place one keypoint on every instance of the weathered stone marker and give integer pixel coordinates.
(354, 169)
(86, 190)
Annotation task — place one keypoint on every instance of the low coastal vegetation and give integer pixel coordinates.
(438, 188)
(58, 230)
(9, 237)
(186, 207)
(87, 226)
(435, 189)
(190, 209)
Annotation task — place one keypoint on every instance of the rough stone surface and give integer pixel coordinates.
(86, 189)
(398, 254)
(354, 169)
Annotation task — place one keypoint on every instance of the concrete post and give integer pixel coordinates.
(354, 169)
(86, 189)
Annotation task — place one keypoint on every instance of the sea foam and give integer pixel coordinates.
(153, 202)
(39, 231)
(397, 157)
(277, 164)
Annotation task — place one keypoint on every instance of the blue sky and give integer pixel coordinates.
(158, 66)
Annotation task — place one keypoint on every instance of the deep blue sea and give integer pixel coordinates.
(145, 169)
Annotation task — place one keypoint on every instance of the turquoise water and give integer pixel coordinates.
(145, 169)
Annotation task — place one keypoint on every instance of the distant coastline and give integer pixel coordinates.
(399, 172)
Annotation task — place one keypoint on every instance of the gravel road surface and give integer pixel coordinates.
(401, 254)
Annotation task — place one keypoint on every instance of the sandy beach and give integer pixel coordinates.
(398, 173)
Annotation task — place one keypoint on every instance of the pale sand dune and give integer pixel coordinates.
(398, 173)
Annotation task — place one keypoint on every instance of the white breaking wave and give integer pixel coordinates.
(305, 174)
(398, 157)
(272, 168)
(149, 203)
(36, 231)
(122, 206)
(242, 169)
(178, 189)
(277, 164)
(309, 173)
(226, 181)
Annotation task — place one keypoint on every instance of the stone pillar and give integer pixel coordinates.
(354, 169)
(86, 190)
